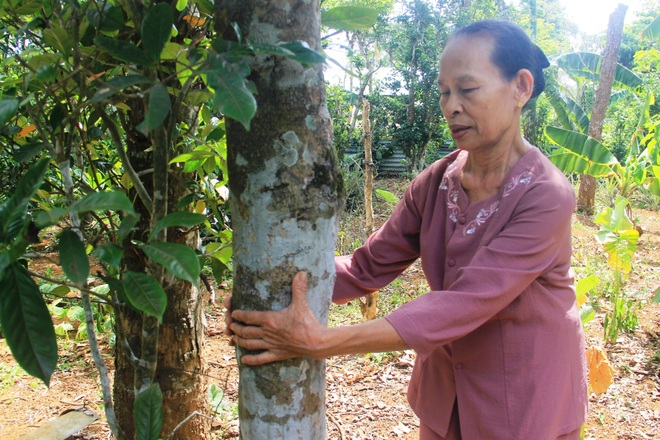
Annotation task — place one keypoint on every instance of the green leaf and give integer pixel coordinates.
(205, 6)
(8, 108)
(181, 5)
(145, 294)
(59, 39)
(46, 73)
(303, 53)
(388, 196)
(49, 218)
(127, 225)
(73, 257)
(24, 7)
(118, 84)
(122, 50)
(586, 284)
(588, 65)
(652, 31)
(5, 261)
(588, 148)
(180, 219)
(656, 296)
(272, 49)
(14, 210)
(232, 96)
(157, 30)
(110, 254)
(26, 323)
(218, 268)
(587, 314)
(349, 18)
(108, 19)
(159, 107)
(148, 413)
(103, 201)
(179, 259)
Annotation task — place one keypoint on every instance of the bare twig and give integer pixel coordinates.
(340, 427)
(184, 421)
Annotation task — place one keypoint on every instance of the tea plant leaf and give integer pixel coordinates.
(110, 254)
(304, 54)
(107, 19)
(158, 109)
(8, 108)
(656, 296)
(156, 30)
(103, 201)
(127, 225)
(73, 257)
(148, 413)
(232, 95)
(26, 323)
(145, 294)
(14, 211)
(181, 219)
(59, 39)
(179, 259)
(118, 84)
(122, 50)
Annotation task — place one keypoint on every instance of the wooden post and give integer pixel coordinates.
(369, 307)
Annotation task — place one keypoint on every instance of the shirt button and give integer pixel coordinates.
(451, 263)
(458, 366)
(461, 220)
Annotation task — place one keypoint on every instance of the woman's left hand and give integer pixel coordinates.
(288, 333)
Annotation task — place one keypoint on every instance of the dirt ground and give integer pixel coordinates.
(366, 395)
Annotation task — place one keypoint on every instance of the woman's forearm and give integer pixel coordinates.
(367, 337)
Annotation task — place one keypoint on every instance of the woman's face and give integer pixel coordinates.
(480, 105)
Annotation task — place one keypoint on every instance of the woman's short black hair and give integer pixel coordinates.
(513, 50)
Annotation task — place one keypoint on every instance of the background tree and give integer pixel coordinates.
(587, 190)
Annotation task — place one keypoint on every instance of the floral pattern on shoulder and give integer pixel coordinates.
(447, 184)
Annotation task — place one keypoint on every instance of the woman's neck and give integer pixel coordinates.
(484, 171)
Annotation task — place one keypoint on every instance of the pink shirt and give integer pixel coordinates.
(499, 330)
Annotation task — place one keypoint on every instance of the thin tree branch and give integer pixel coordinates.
(116, 139)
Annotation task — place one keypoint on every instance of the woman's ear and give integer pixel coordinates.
(524, 85)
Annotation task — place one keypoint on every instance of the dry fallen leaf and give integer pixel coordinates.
(601, 373)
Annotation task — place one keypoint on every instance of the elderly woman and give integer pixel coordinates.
(499, 343)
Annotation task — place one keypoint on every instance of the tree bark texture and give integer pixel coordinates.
(587, 191)
(369, 307)
(179, 362)
(284, 199)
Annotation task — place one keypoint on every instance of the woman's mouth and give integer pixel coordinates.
(459, 131)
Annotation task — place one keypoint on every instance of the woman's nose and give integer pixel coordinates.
(451, 105)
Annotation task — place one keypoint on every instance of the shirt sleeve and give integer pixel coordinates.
(391, 249)
(534, 241)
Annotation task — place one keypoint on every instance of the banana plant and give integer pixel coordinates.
(582, 154)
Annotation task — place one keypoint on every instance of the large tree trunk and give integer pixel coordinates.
(587, 191)
(284, 186)
(180, 371)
